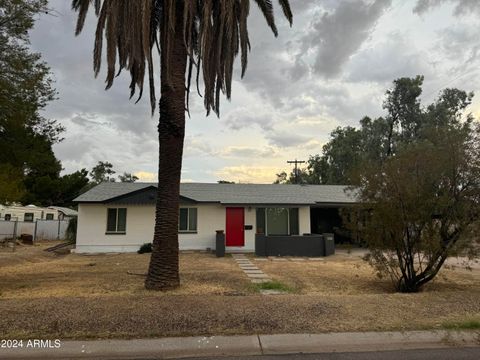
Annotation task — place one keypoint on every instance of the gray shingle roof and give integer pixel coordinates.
(254, 194)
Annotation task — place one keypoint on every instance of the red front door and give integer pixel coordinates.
(234, 227)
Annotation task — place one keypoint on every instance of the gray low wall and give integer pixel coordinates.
(308, 245)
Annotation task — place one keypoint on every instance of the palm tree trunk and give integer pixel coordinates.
(163, 269)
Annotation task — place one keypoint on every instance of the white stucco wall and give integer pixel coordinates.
(92, 223)
(91, 236)
(92, 219)
(210, 217)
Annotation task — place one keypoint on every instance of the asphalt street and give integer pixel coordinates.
(428, 354)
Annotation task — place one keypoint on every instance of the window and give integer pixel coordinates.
(8, 217)
(187, 220)
(49, 217)
(28, 217)
(261, 221)
(293, 221)
(277, 221)
(116, 221)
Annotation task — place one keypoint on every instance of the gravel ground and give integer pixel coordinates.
(77, 296)
(184, 315)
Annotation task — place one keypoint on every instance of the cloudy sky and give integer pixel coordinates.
(330, 69)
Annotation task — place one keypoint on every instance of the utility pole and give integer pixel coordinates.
(296, 162)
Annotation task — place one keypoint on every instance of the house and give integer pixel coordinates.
(119, 217)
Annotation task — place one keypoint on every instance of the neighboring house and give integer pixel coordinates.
(119, 217)
(29, 213)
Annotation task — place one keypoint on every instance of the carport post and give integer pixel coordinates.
(58, 231)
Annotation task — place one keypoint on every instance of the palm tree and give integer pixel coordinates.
(202, 36)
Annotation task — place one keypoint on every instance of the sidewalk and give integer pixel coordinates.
(250, 345)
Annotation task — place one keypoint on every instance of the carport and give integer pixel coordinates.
(328, 219)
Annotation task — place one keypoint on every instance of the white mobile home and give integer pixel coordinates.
(29, 213)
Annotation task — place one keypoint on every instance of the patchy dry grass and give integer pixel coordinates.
(463, 325)
(77, 296)
(49, 275)
(272, 285)
(346, 274)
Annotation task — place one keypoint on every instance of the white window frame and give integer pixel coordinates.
(116, 231)
(188, 231)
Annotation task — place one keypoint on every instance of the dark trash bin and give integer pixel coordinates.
(329, 244)
(220, 243)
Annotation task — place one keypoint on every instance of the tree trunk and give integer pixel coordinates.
(163, 268)
(408, 286)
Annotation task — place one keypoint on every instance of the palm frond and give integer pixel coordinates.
(287, 11)
(214, 32)
(266, 7)
(82, 7)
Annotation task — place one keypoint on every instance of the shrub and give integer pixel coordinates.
(145, 248)
(71, 233)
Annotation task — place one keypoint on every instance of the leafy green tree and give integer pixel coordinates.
(205, 36)
(71, 186)
(102, 172)
(346, 150)
(421, 204)
(25, 82)
(405, 115)
(11, 188)
(29, 170)
(420, 207)
(56, 190)
(26, 137)
(127, 177)
(377, 139)
(343, 152)
(284, 178)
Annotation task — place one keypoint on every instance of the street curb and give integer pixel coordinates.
(169, 348)
(368, 341)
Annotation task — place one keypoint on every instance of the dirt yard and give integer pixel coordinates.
(79, 296)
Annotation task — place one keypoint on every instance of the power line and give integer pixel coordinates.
(468, 72)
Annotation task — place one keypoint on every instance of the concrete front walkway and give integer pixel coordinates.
(169, 348)
(253, 272)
